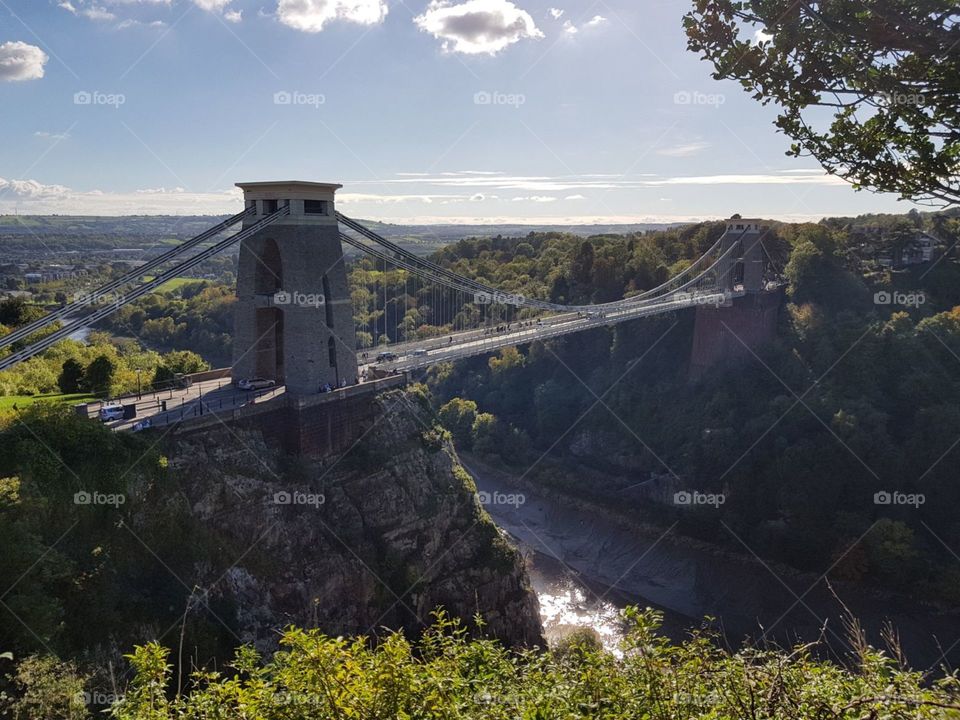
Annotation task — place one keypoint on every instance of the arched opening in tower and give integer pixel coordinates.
(269, 273)
(269, 349)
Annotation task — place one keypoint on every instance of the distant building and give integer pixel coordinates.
(917, 251)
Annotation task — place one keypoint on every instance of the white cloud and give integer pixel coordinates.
(33, 197)
(556, 13)
(20, 61)
(575, 197)
(51, 136)
(313, 15)
(536, 199)
(539, 185)
(595, 21)
(477, 27)
(98, 13)
(212, 5)
(233, 16)
(685, 150)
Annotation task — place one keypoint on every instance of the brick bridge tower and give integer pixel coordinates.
(294, 318)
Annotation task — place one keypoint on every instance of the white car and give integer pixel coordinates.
(256, 384)
(109, 413)
(420, 353)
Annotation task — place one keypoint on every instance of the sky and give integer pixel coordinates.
(426, 111)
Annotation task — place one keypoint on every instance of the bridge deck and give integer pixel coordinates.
(218, 397)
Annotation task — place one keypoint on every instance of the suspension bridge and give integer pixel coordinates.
(297, 320)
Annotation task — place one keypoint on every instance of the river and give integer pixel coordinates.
(586, 566)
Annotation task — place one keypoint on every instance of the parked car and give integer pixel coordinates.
(387, 357)
(256, 384)
(109, 413)
(144, 424)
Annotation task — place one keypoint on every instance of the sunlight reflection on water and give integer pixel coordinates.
(566, 605)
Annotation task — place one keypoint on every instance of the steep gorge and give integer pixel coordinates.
(377, 537)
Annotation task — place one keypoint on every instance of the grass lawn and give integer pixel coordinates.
(174, 284)
(7, 402)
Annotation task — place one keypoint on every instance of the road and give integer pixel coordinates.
(171, 406)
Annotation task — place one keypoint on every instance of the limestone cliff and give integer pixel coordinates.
(376, 537)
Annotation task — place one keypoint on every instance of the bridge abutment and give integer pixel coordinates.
(294, 316)
(730, 335)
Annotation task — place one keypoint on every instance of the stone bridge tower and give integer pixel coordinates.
(729, 335)
(294, 316)
(749, 262)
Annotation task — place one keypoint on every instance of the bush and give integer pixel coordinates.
(447, 675)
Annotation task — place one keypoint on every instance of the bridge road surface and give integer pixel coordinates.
(212, 396)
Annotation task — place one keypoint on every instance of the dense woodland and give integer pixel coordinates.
(854, 398)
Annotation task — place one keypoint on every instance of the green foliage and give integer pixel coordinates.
(71, 376)
(880, 388)
(98, 377)
(78, 570)
(48, 689)
(458, 417)
(449, 676)
(885, 69)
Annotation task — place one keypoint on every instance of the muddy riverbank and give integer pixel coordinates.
(587, 562)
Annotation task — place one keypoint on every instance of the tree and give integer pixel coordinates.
(71, 376)
(99, 375)
(458, 417)
(885, 69)
(49, 689)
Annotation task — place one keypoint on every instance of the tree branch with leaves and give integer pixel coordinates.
(869, 88)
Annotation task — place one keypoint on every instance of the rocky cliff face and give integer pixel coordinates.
(377, 537)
